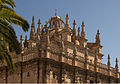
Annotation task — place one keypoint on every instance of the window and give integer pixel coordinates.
(90, 60)
(28, 74)
(53, 24)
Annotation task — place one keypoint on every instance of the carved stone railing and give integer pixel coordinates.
(78, 57)
(25, 56)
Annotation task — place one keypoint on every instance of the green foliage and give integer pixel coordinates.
(7, 34)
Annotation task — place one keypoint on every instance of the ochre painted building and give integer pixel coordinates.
(57, 54)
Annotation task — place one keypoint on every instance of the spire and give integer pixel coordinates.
(21, 42)
(38, 29)
(67, 19)
(39, 23)
(33, 21)
(74, 29)
(108, 61)
(55, 12)
(116, 65)
(67, 23)
(83, 32)
(79, 31)
(98, 37)
(21, 39)
(26, 43)
(32, 33)
(45, 26)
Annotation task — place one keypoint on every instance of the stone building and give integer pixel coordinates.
(57, 54)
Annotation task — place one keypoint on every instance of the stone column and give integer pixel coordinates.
(38, 72)
(60, 58)
(108, 64)
(95, 66)
(85, 64)
(73, 61)
(21, 65)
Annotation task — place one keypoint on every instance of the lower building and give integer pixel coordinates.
(57, 54)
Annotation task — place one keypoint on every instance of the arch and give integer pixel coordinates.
(91, 82)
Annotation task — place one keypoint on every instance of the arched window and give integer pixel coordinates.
(53, 25)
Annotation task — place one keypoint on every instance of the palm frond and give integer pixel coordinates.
(6, 7)
(7, 33)
(8, 59)
(12, 17)
(10, 37)
(11, 3)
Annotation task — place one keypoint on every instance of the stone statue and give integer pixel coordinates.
(51, 77)
(66, 79)
(55, 79)
(77, 80)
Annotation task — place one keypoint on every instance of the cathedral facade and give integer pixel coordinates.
(57, 54)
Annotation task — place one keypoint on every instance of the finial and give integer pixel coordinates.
(45, 26)
(116, 66)
(67, 18)
(79, 31)
(74, 22)
(33, 19)
(21, 39)
(67, 15)
(39, 21)
(74, 29)
(32, 32)
(116, 60)
(82, 24)
(25, 44)
(108, 61)
(38, 29)
(32, 25)
(108, 56)
(83, 32)
(98, 31)
(55, 12)
(21, 42)
(98, 37)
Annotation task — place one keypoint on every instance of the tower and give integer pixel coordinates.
(38, 30)
(32, 32)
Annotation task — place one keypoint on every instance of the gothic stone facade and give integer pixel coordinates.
(57, 54)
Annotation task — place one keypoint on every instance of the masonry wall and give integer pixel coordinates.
(54, 68)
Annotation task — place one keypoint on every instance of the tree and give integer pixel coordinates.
(7, 34)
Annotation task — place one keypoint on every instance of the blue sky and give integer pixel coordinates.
(97, 14)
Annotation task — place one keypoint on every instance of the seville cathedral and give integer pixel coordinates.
(58, 53)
